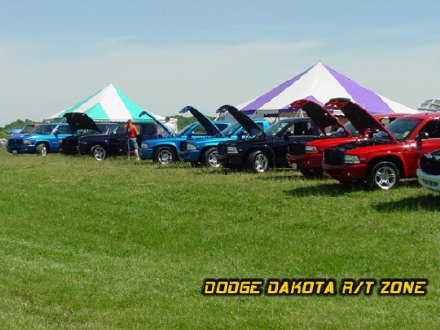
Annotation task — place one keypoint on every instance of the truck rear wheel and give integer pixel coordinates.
(383, 175)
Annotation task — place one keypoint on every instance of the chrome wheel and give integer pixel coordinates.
(383, 175)
(212, 160)
(257, 162)
(99, 153)
(261, 163)
(385, 178)
(164, 156)
(41, 150)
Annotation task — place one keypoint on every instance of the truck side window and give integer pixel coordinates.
(64, 130)
(301, 128)
(432, 128)
(148, 129)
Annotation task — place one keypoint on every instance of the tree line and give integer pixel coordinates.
(19, 123)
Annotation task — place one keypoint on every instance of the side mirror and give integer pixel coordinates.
(287, 135)
(422, 136)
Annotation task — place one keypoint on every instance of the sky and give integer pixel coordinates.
(170, 53)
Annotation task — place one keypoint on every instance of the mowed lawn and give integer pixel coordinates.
(121, 244)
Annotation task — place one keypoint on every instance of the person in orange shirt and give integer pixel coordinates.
(132, 134)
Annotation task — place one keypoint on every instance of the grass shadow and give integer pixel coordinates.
(427, 202)
(333, 190)
(409, 183)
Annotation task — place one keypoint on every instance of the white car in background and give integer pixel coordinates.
(428, 172)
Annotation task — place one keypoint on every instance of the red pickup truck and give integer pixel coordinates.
(308, 157)
(392, 153)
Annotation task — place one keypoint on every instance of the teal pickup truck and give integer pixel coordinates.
(204, 151)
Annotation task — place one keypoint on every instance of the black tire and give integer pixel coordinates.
(311, 173)
(383, 175)
(98, 152)
(257, 162)
(41, 149)
(164, 155)
(209, 158)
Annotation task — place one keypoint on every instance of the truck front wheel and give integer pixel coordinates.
(258, 162)
(164, 155)
(41, 149)
(98, 152)
(383, 175)
(209, 158)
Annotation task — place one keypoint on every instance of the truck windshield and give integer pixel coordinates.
(231, 129)
(401, 128)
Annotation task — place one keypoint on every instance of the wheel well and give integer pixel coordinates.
(173, 148)
(204, 149)
(97, 144)
(394, 159)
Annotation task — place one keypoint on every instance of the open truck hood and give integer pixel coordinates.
(80, 120)
(247, 123)
(211, 129)
(360, 118)
(320, 116)
(158, 122)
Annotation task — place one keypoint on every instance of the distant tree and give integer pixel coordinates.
(19, 123)
(183, 121)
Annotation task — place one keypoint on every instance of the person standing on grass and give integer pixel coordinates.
(132, 134)
(170, 124)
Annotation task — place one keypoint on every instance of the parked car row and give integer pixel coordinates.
(377, 150)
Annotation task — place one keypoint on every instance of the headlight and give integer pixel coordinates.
(190, 146)
(27, 142)
(144, 145)
(351, 159)
(232, 150)
(311, 150)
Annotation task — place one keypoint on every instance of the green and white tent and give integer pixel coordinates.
(109, 104)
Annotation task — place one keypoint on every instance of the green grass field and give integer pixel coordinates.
(121, 244)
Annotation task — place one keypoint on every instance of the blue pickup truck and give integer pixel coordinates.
(165, 150)
(43, 139)
(204, 151)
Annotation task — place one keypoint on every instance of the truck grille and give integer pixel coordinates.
(430, 163)
(334, 157)
(15, 142)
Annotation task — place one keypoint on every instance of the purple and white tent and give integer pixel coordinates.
(320, 83)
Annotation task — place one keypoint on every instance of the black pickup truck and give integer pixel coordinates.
(269, 148)
(108, 140)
